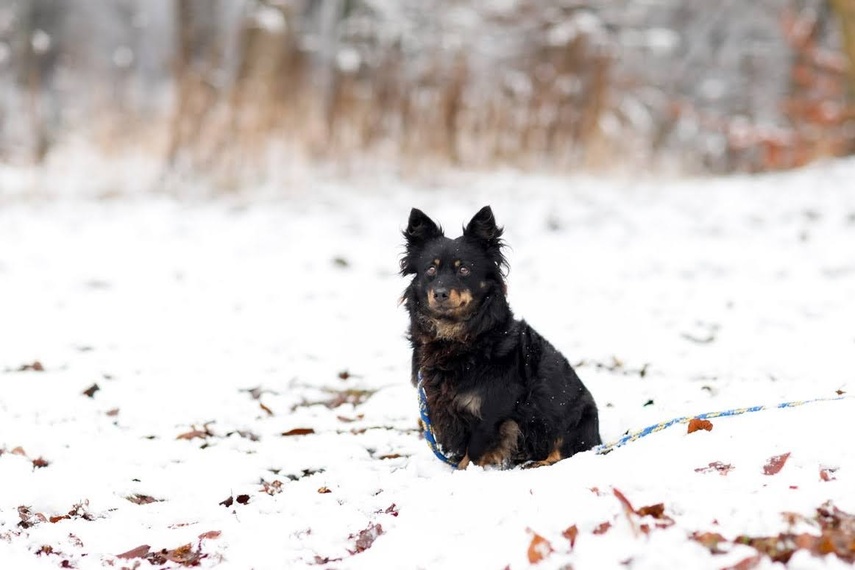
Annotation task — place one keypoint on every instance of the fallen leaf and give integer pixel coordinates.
(35, 366)
(827, 473)
(113, 412)
(775, 464)
(627, 506)
(139, 499)
(299, 431)
(228, 502)
(392, 510)
(366, 537)
(696, 424)
(195, 433)
(242, 499)
(746, 563)
(570, 533)
(138, 552)
(538, 549)
(267, 410)
(709, 540)
(603, 527)
(324, 490)
(271, 488)
(718, 466)
(211, 534)
(90, 391)
(40, 462)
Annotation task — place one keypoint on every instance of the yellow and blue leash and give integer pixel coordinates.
(636, 435)
(428, 427)
(602, 449)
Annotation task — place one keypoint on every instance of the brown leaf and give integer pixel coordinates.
(366, 537)
(40, 462)
(392, 510)
(709, 540)
(242, 499)
(228, 502)
(139, 499)
(656, 511)
(324, 490)
(775, 464)
(267, 410)
(299, 431)
(627, 506)
(138, 552)
(570, 533)
(211, 534)
(827, 473)
(721, 468)
(696, 424)
(272, 488)
(35, 366)
(538, 549)
(195, 433)
(113, 412)
(603, 527)
(90, 391)
(57, 518)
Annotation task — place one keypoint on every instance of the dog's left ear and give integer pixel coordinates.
(482, 227)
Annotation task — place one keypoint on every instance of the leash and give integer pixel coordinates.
(603, 449)
(428, 427)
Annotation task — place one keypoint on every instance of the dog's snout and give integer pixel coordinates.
(440, 294)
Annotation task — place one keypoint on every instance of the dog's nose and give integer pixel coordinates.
(440, 294)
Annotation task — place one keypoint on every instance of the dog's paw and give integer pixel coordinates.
(464, 463)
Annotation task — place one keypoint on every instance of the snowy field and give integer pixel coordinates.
(225, 384)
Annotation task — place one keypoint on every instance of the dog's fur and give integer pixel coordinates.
(498, 393)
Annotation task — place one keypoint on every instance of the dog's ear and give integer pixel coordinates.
(482, 227)
(420, 230)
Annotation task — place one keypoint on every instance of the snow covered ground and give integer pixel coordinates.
(226, 383)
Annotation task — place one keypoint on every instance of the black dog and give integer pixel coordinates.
(498, 393)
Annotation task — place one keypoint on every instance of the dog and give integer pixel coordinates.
(497, 392)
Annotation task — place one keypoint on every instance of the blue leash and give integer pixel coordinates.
(602, 449)
(428, 427)
(636, 435)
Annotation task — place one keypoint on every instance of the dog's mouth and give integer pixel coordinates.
(449, 302)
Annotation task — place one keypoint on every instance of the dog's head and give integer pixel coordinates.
(453, 277)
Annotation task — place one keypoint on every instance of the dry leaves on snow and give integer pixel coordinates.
(696, 424)
(538, 549)
(836, 536)
(775, 464)
(184, 555)
(717, 467)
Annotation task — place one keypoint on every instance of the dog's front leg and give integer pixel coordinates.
(492, 443)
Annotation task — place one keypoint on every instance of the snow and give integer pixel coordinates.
(237, 318)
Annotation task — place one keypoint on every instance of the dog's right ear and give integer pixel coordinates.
(420, 230)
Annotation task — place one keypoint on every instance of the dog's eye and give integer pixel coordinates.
(431, 271)
(463, 271)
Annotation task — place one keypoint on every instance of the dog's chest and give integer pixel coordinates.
(453, 406)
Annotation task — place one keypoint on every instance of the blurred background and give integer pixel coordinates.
(237, 92)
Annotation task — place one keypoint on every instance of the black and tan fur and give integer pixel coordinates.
(498, 393)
